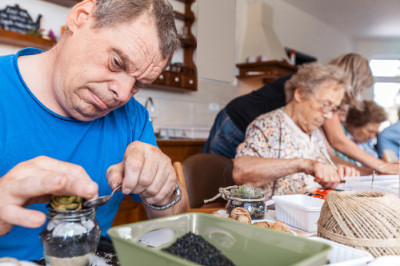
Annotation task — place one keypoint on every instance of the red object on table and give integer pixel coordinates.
(321, 193)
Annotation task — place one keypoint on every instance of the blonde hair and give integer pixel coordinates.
(360, 75)
(310, 76)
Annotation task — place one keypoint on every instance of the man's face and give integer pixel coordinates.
(99, 70)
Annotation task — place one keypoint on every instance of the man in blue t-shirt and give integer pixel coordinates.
(70, 126)
(389, 142)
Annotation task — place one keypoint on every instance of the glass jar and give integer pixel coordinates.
(70, 237)
(253, 202)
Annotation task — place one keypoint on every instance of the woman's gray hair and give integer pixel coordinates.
(113, 12)
(310, 76)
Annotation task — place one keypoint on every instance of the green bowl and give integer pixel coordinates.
(243, 244)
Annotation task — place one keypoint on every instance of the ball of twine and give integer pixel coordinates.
(365, 220)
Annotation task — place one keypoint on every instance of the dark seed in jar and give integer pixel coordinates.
(195, 248)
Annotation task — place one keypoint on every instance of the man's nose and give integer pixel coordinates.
(123, 88)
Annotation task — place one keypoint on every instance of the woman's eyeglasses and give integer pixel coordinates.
(327, 108)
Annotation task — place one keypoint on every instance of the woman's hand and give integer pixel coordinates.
(389, 168)
(325, 175)
(344, 171)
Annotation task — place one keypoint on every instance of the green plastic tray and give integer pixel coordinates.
(243, 244)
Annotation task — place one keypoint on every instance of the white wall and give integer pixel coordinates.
(372, 48)
(294, 28)
(298, 30)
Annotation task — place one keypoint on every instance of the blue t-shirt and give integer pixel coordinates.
(389, 139)
(28, 129)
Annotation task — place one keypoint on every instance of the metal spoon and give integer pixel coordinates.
(100, 201)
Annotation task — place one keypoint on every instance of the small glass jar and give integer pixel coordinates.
(250, 202)
(70, 237)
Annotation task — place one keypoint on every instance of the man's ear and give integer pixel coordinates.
(80, 14)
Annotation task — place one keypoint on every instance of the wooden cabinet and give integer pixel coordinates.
(179, 150)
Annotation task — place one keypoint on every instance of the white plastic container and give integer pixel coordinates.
(300, 211)
(343, 255)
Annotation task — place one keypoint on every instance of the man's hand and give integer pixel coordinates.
(325, 175)
(146, 171)
(34, 181)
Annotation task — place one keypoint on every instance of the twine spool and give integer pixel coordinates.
(365, 220)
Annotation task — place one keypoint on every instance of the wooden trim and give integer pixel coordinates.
(188, 142)
(66, 3)
(181, 16)
(24, 40)
(273, 68)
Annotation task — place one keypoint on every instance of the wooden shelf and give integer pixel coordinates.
(184, 78)
(66, 3)
(176, 80)
(186, 1)
(24, 40)
(268, 70)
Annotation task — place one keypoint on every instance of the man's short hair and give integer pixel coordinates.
(112, 12)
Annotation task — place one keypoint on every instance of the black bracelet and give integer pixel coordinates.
(172, 203)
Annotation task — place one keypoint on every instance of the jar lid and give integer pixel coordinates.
(247, 192)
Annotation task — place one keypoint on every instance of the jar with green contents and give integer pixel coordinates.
(248, 197)
(70, 237)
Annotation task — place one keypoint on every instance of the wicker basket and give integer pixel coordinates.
(365, 220)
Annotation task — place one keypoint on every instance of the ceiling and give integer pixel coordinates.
(366, 19)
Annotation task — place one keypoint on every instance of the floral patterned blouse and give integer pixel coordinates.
(275, 135)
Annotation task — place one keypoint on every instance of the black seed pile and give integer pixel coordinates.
(195, 248)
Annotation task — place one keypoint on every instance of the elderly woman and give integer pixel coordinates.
(361, 126)
(283, 149)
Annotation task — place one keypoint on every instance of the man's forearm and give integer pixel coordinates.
(258, 171)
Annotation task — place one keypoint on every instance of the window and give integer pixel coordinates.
(386, 90)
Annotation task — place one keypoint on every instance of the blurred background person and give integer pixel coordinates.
(361, 126)
(389, 142)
